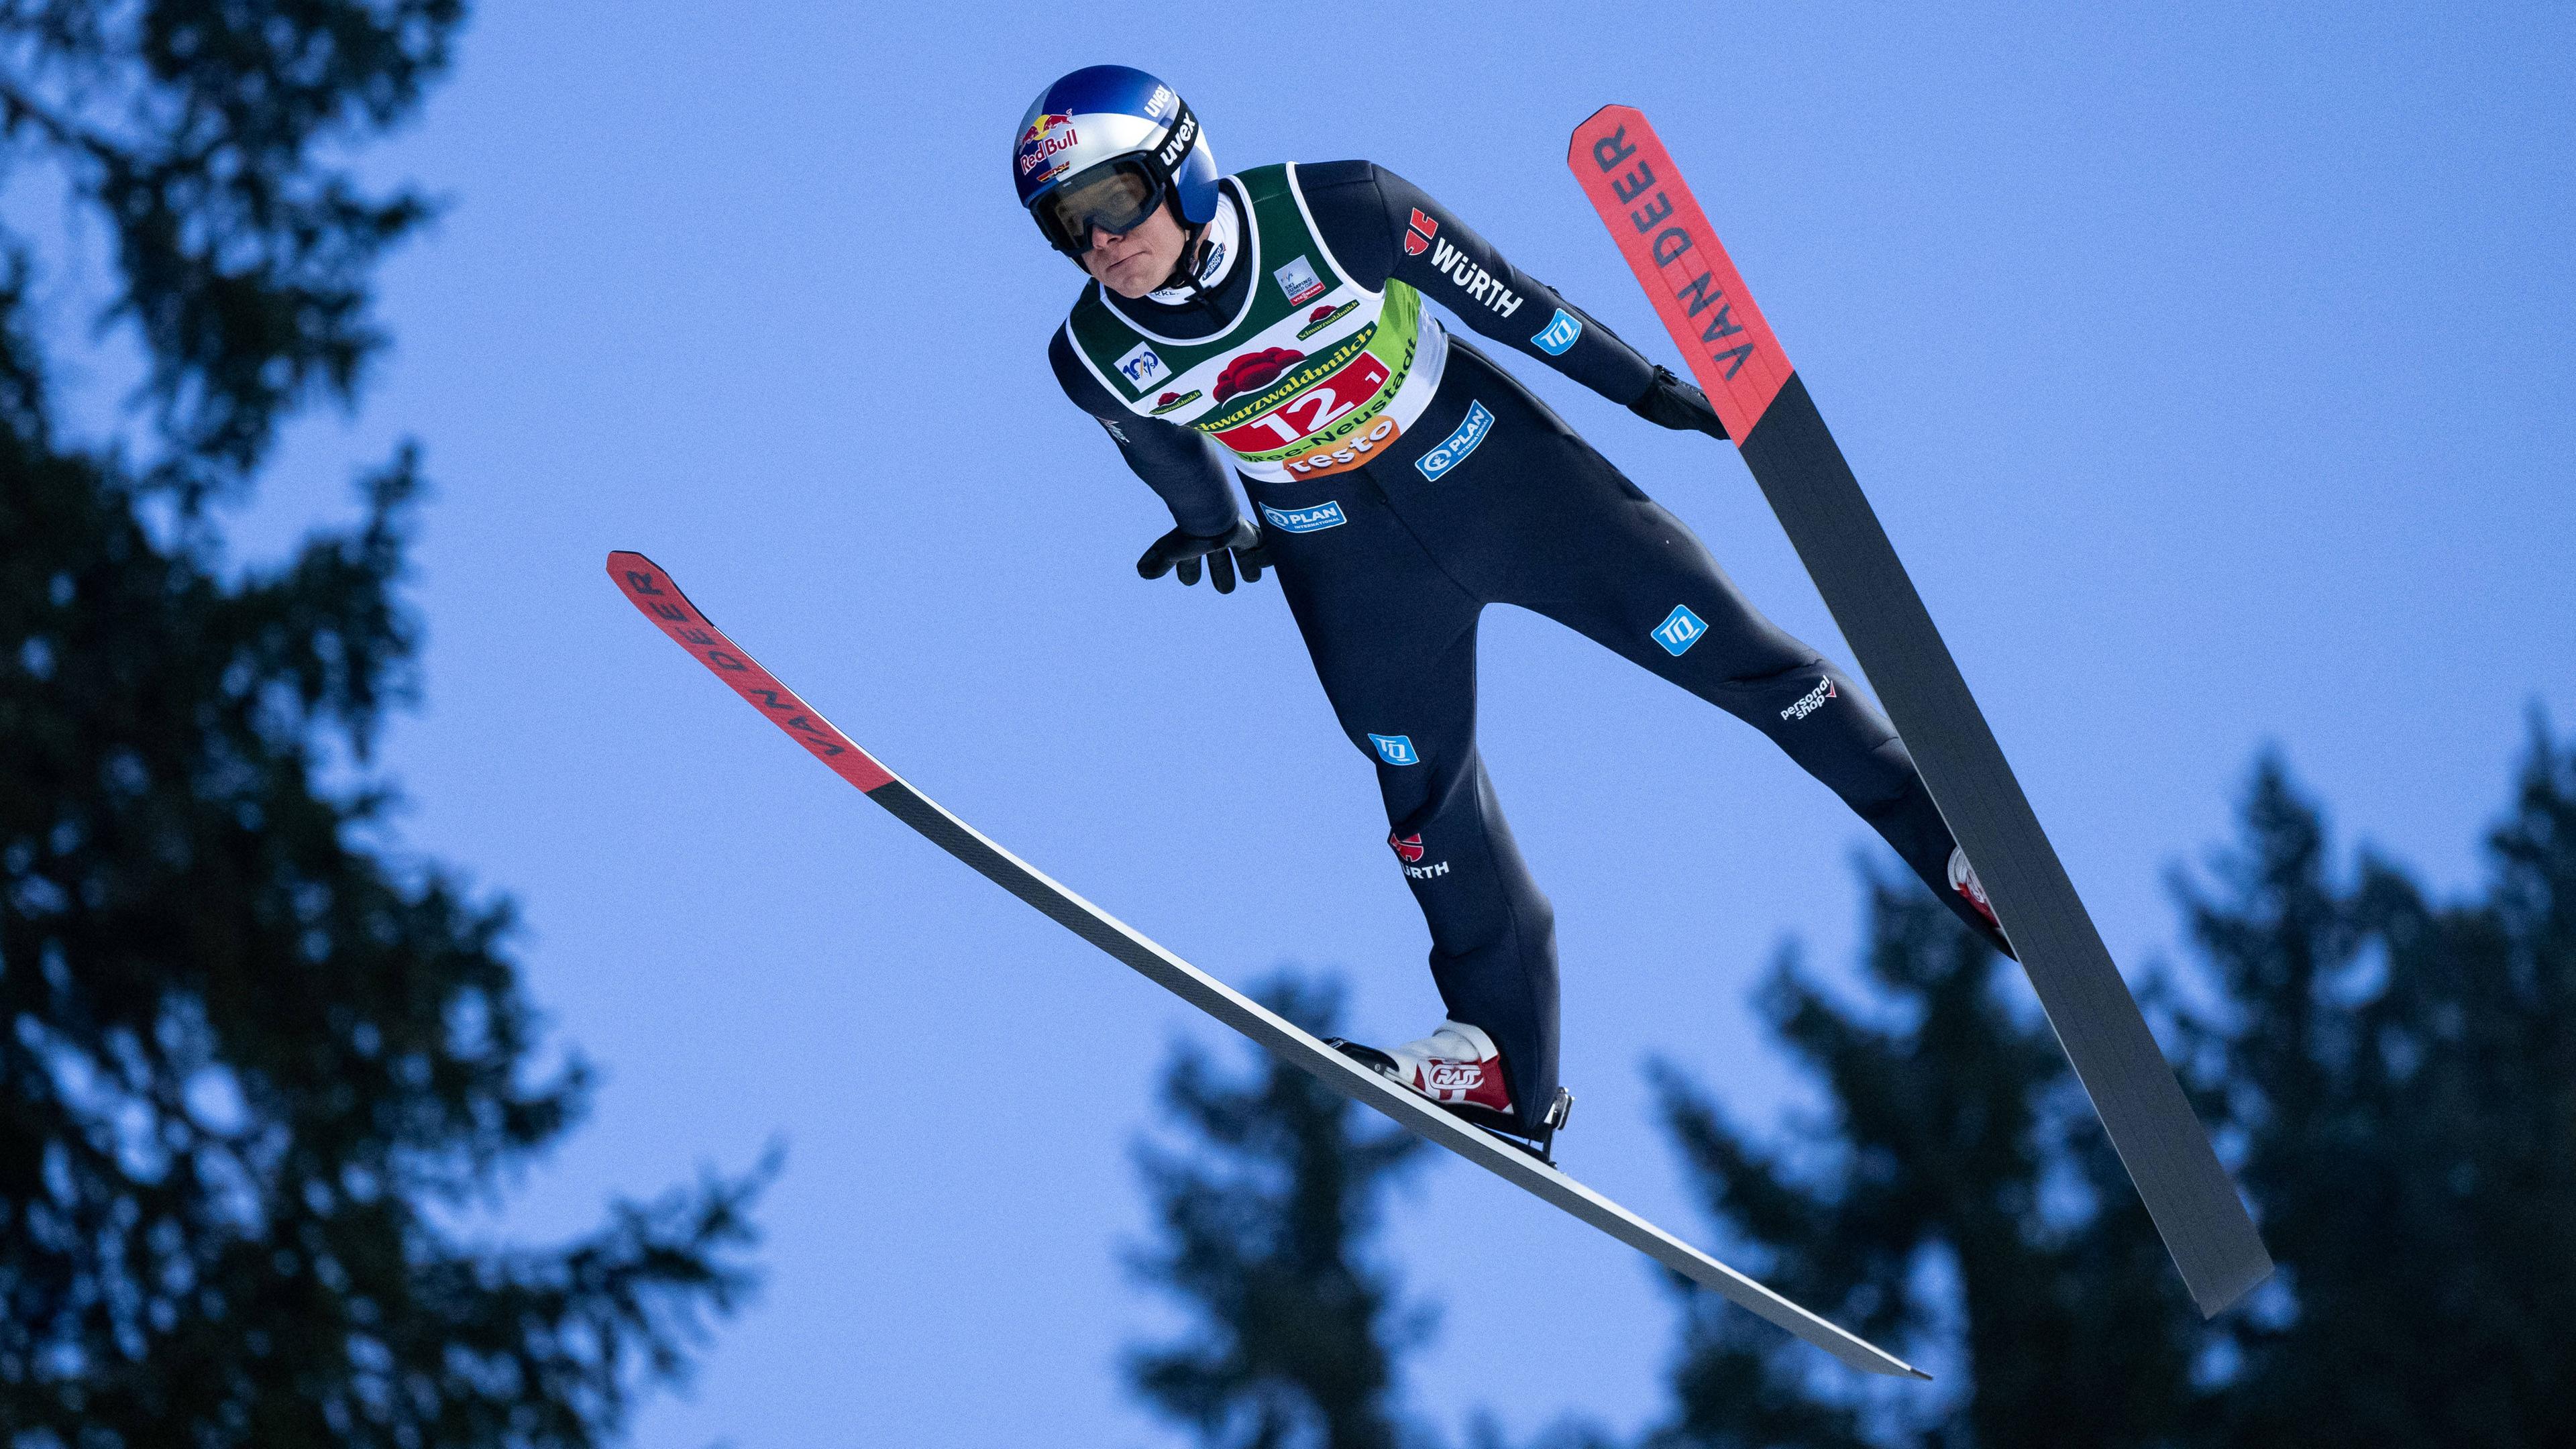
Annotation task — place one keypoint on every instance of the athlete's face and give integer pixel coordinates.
(1136, 263)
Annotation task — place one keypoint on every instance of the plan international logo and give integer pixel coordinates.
(1453, 449)
(1327, 514)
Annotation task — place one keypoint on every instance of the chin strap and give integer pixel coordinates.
(1194, 250)
(1194, 255)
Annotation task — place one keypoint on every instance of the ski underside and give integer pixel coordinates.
(652, 591)
(1631, 181)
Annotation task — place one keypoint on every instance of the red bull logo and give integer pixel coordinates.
(1045, 136)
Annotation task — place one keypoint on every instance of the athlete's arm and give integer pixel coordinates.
(1382, 226)
(1176, 462)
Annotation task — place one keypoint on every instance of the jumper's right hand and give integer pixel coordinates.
(1670, 402)
(1180, 549)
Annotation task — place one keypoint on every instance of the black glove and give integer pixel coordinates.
(1225, 552)
(1669, 402)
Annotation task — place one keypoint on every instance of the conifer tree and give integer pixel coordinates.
(2395, 1077)
(252, 1057)
(1957, 1198)
(2403, 1072)
(1295, 1329)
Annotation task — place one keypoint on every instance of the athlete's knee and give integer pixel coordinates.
(1770, 690)
(1764, 675)
(1399, 750)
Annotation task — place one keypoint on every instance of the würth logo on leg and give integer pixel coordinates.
(1409, 849)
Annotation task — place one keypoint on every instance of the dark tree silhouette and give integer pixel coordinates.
(250, 1057)
(2404, 1074)
(2397, 1078)
(1959, 1179)
(1265, 1219)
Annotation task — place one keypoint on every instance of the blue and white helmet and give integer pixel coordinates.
(1105, 146)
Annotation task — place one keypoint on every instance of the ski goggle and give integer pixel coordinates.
(1115, 196)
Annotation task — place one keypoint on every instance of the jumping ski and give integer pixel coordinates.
(1631, 180)
(652, 591)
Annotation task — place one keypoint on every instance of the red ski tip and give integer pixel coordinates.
(650, 590)
(1631, 180)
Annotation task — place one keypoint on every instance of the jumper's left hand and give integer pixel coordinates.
(1180, 551)
(1669, 402)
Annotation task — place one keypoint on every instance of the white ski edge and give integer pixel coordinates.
(1274, 1033)
(1292, 1044)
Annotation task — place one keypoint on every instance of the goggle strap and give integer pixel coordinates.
(1177, 140)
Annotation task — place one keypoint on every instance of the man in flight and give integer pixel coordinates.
(1270, 324)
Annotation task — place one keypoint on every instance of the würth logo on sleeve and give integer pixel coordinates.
(1479, 284)
(1418, 235)
(1410, 847)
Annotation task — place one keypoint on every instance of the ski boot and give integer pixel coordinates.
(1964, 882)
(1460, 1069)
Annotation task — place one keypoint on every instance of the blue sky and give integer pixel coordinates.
(2208, 364)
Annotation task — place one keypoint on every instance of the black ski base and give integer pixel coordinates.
(2150, 1122)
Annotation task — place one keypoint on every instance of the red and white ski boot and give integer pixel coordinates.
(1459, 1067)
(1963, 880)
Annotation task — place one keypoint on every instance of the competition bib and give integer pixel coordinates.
(1313, 374)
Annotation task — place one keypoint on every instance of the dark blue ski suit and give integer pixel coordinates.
(1490, 498)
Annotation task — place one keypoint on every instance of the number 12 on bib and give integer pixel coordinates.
(1631, 180)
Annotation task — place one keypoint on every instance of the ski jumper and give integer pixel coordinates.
(1404, 482)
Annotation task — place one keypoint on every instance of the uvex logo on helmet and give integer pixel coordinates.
(1179, 144)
